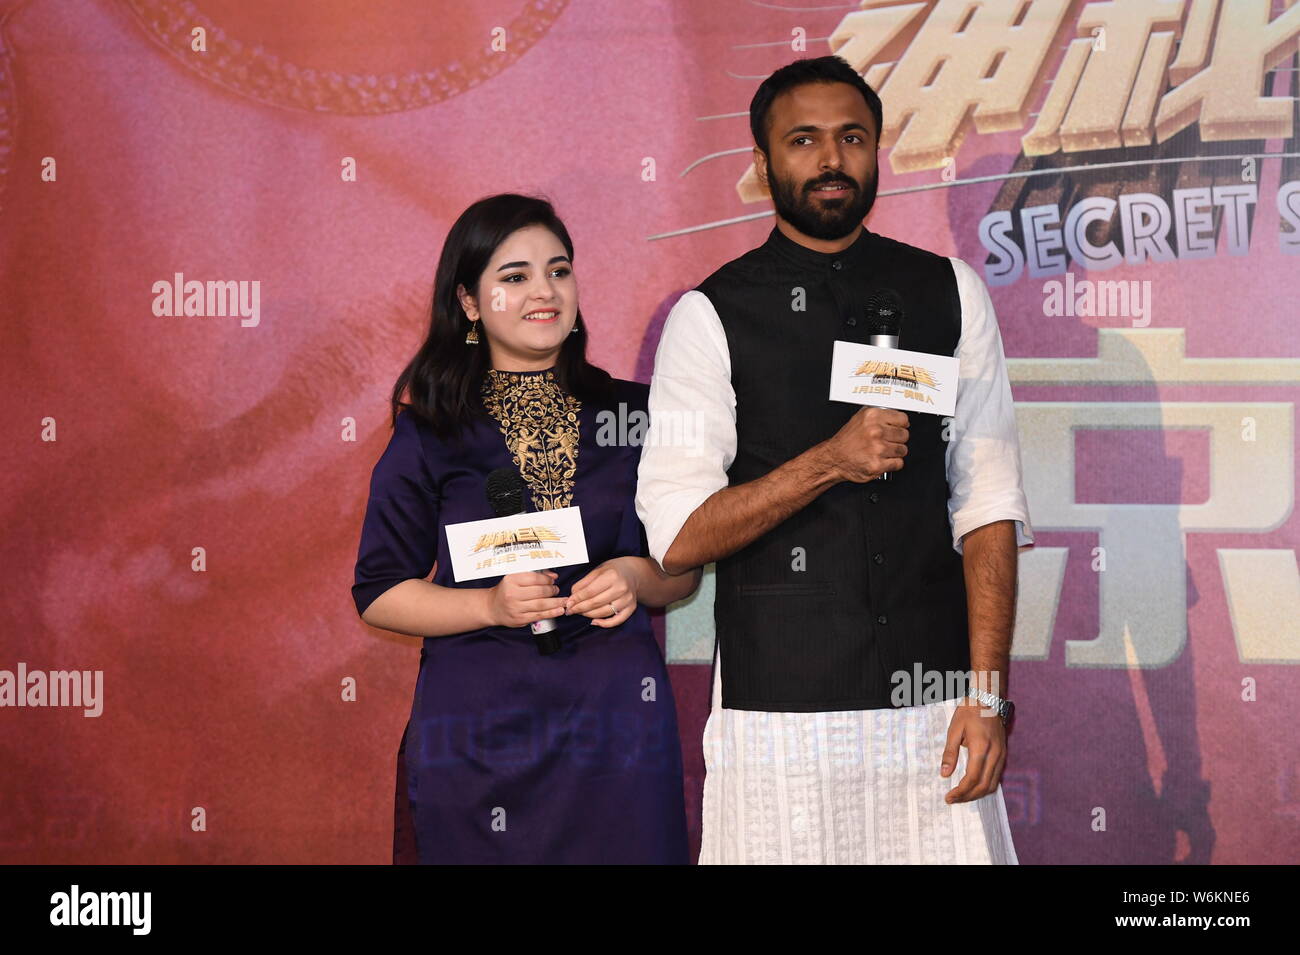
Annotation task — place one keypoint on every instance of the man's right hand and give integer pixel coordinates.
(870, 443)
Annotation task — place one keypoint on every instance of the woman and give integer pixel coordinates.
(511, 755)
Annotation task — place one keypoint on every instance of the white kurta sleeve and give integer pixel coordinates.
(983, 458)
(691, 440)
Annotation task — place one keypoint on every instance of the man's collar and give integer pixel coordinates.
(853, 257)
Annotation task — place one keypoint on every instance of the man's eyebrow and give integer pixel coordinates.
(808, 128)
(521, 265)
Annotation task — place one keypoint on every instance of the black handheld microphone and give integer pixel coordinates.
(884, 310)
(505, 493)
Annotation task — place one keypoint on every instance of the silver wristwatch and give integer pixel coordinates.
(1004, 708)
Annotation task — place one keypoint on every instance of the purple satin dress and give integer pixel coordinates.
(510, 756)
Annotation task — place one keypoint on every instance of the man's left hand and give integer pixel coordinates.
(980, 730)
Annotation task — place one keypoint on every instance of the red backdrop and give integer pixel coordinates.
(321, 149)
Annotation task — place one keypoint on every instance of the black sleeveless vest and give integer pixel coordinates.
(820, 612)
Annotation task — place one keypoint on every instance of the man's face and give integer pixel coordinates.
(821, 168)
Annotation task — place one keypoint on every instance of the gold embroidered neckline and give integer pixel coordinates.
(549, 373)
(539, 423)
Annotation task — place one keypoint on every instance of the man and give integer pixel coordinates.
(836, 590)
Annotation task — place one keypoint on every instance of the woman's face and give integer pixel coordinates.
(526, 301)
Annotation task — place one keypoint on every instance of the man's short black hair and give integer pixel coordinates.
(822, 69)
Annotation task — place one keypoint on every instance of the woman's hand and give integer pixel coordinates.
(524, 598)
(607, 594)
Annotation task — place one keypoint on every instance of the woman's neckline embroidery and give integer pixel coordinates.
(540, 425)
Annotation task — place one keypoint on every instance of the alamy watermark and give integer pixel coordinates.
(75, 688)
(76, 907)
(672, 428)
(917, 687)
(1098, 298)
(209, 299)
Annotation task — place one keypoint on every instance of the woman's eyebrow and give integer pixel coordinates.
(516, 265)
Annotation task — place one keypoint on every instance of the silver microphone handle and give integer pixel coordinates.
(883, 341)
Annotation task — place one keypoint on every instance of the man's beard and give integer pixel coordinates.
(814, 217)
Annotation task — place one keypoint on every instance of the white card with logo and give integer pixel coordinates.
(531, 540)
(893, 378)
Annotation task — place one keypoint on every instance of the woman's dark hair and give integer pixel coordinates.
(444, 378)
(821, 69)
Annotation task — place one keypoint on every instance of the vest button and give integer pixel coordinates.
(882, 620)
(850, 320)
(874, 497)
(879, 558)
(837, 265)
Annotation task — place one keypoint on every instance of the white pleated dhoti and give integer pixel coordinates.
(841, 788)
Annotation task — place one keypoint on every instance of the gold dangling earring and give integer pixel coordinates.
(471, 337)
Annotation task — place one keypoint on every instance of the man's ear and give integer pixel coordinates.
(760, 167)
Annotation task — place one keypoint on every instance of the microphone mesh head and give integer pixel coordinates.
(884, 311)
(505, 492)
